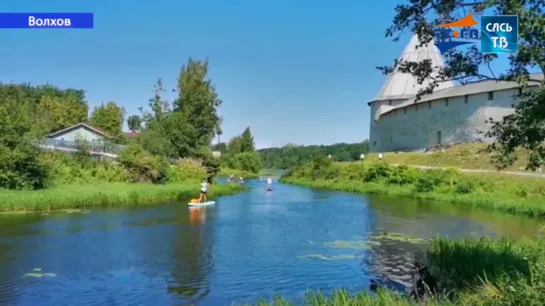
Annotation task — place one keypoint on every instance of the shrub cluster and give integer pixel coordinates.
(323, 168)
(134, 165)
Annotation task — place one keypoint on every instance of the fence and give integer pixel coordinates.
(95, 148)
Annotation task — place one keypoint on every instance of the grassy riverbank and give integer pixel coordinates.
(512, 194)
(104, 195)
(495, 272)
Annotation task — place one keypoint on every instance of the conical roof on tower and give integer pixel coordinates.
(401, 85)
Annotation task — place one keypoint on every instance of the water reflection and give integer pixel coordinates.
(192, 256)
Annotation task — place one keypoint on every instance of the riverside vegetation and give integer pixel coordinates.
(506, 271)
(508, 193)
(494, 272)
(166, 161)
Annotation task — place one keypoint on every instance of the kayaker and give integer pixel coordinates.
(269, 183)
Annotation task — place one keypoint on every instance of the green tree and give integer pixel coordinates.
(247, 141)
(198, 101)
(235, 145)
(158, 105)
(135, 123)
(110, 118)
(20, 167)
(63, 111)
(526, 126)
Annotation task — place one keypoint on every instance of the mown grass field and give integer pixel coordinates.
(85, 196)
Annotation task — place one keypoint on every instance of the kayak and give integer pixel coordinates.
(202, 204)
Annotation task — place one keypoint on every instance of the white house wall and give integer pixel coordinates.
(418, 128)
(80, 133)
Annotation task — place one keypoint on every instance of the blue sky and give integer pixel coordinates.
(294, 71)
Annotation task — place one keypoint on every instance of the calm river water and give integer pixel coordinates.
(247, 246)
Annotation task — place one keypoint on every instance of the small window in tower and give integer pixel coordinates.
(490, 95)
(404, 110)
(395, 112)
(513, 105)
(520, 90)
(446, 102)
(429, 105)
(374, 143)
(389, 102)
(466, 99)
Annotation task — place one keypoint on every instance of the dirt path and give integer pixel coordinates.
(531, 174)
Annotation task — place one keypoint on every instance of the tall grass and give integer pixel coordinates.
(512, 194)
(84, 196)
(482, 272)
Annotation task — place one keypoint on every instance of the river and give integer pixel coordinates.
(247, 246)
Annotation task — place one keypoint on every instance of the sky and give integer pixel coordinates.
(294, 71)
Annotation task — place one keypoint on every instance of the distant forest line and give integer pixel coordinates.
(292, 155)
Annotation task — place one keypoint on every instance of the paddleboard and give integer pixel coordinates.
(202, 204)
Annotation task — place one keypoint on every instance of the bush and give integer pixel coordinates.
(403, 175)
(74, 168)
(142, 166)
(187, 169)
(429, 180)
(465, 186)
(353, 172)
(323, 168)
(247, 161)
(378, 172)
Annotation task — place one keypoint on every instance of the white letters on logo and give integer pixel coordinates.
(502, 42)
(49, 22)
(498, 27)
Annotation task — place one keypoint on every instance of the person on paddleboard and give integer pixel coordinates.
(269, 183)
(204, 189)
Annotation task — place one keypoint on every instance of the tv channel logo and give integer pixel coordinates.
(499, 34)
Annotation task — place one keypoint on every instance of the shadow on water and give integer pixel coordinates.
(251, 245)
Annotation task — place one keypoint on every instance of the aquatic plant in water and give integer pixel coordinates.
(328, 258)
(37, 273)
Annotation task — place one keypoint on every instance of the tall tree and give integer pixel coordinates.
(198, 101)
(135, 123)
(526, 126)
(235, 145)
(64, 111)
(158, 105)
(247, 141)
(19, 164)
(109, 117)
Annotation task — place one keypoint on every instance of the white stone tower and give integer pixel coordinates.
(402, 86)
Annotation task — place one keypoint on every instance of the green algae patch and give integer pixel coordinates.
(399, 237)
(327, 258)
(354, 245)
(37, 273)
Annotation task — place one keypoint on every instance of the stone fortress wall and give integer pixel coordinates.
(451, 114)
(446, 120)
